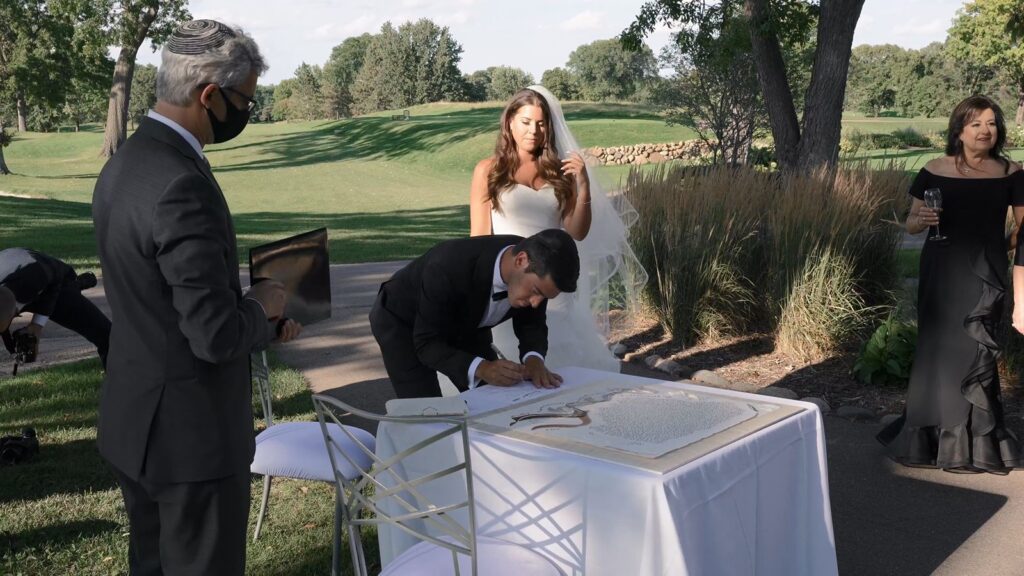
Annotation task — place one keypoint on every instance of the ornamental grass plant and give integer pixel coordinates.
(809, 258)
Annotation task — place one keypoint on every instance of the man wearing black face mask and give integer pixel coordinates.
(175, 418)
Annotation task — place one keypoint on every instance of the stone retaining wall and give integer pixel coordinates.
(649, 153)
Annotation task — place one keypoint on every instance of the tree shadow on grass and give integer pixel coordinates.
(55, 535)
(73, 467)
(362, 138)
(379, 137)
(355, 237)
(60, 228)
(359, 237)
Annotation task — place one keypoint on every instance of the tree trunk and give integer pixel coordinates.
(22, 113)
(816, 143)
(1019, 120)
(771, 74)
(823, 111)
(3, 163)
(116, 130)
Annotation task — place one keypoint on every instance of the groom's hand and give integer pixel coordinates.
(539, 374)
(500, 372)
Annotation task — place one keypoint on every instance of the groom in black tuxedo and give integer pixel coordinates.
(435, 315)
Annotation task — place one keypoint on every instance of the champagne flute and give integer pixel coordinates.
(933, 200)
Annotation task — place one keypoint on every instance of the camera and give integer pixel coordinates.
(16, 449)
(23, 345)
(26, 346)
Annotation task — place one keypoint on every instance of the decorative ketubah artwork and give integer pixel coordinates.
(649, 426)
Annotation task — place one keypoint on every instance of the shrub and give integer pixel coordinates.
(851, 142)
(736, 249)
(824, 309)
(1015, 137)
(887, 357)
(911, 138)
(763, 156)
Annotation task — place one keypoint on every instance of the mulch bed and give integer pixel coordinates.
(751, 363)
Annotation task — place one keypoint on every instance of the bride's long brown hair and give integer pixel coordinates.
(506, 157)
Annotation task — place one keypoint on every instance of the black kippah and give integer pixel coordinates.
(198, 37)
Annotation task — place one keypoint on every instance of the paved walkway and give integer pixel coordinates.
(888, 519)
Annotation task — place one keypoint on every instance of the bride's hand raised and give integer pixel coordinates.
(577, 168)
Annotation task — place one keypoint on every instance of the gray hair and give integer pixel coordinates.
(228, 65)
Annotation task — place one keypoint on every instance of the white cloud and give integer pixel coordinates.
(917, 28)
(586, 20)
(458, 17)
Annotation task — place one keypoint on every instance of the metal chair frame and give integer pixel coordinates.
(417, 506)
(260, 375)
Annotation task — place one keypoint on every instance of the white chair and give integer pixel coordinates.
(296, 449)
(447, 545)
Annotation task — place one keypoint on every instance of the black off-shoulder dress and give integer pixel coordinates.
(954, 418)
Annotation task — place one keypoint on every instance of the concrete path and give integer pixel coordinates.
(887, 519)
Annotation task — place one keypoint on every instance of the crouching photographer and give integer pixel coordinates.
(49, 289)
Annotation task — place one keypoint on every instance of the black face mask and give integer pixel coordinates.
(234, 121)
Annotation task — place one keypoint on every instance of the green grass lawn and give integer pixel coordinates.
(887, 124)
(386, 189)
(62, 512)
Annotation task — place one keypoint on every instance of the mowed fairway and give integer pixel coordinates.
(385, 189)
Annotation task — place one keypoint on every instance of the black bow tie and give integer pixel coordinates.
(499, 296)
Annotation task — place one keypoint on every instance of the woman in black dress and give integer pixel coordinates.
(953, 419)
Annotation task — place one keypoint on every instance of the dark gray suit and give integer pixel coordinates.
(175, 410)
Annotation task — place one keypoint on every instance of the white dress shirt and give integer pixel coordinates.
(496, 310)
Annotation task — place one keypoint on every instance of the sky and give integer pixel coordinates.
(533, 35)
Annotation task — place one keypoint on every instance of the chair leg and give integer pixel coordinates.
(336, 544)
(263, 507)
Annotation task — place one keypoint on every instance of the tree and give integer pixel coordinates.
(874, 73)
(35, 55)
(340, 72)
(143, 92)
(306, 102)
(988, 32)
(5, 140)
(561, 83)
(715, 91)
(48, 53)
(802, 142)
(281, 110)
(131, 23)
(605, 70)
(264, 110)
(476, 86)
(84, 102)
(413, 64)
(506, 81)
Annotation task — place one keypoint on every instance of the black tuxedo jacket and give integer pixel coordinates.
(176, 401)
(443, 295)
(35, 278)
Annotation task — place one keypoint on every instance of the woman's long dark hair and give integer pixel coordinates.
(962, 115)
(506, 157)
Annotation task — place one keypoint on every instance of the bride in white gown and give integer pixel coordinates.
(537, 180)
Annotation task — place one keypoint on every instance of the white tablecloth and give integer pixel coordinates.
(757, 506)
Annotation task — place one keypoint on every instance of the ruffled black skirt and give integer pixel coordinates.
(953, 418)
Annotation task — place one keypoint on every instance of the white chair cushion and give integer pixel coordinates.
(298, 450)
(493, 558)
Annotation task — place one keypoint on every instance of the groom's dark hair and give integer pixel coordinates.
(553, 252)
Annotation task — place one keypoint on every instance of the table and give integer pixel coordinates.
(758, 505)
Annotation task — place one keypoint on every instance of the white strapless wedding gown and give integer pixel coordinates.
(574, 338)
